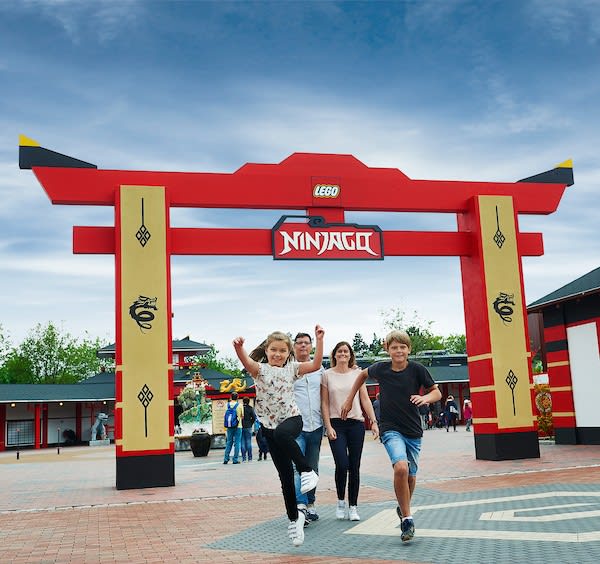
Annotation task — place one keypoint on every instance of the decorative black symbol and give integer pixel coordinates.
(144, 316)
(142, 234)
(511, 380)
(499, 237)
(502, 306)
(145, 396)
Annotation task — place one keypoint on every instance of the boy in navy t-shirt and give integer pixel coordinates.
(400, 383)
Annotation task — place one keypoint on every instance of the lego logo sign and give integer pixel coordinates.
(326, 191)
(317, 240)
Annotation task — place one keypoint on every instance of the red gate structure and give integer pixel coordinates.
(323, 187)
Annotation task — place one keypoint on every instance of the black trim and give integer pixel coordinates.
(565, 436)
(507, 446)
(577, 436)
(553, 316)
(557, 346)
(582, 309)
(136, 472)
(559, 175)
(38, 156)
(588, 435)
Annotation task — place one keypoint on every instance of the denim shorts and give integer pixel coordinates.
(400, 447)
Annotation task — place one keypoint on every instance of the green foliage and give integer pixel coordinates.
(420, 332)
(47, 356)
(194, 404)
(210, 360)
(456, 344)
(359, 346)
(376, 346)
(4, 345)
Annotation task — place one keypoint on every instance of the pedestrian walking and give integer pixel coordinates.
(400, 382)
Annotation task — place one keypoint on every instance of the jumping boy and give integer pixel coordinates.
(400, 382)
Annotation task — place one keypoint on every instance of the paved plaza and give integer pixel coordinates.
(65, 508)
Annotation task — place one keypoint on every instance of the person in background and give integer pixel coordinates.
(261, 442)
(468, 413)
(248, 420)
(377, 408)
(307, 392)
(234, 434)
(451, 410)
(424, 413)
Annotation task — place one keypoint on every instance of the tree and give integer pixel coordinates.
(420, 333)
(4, 345)
(210, 360)
(456, 344)
(47, 356)
(4, 353)
(376, 345)
(359, 346)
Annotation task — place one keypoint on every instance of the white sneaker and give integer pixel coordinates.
(340, 510)
(308, 481)
(353, 513)
(296, 529)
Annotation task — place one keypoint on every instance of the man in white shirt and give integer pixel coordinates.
(307, 392)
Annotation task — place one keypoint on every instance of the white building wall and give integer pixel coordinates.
(584, 359)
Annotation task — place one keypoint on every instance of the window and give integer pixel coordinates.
(19, 433)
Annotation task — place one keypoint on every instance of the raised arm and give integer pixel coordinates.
(315, 363)
(250, 365)
(360, 380)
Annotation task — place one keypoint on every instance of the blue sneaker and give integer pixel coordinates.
(399, 512)
(408, 530)
(311, 514)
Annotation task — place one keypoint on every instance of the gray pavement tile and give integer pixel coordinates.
(503, 541)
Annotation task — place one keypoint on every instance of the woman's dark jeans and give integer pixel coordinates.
(347, 452)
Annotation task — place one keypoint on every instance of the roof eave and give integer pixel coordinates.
(539, 306)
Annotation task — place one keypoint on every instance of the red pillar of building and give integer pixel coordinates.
(37, 418)
(2, 427)
(78, 422)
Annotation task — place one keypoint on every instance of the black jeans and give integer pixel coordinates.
(284, 450)
(347, 451)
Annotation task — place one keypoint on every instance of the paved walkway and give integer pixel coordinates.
(64, 508)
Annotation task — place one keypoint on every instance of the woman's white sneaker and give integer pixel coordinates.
(353, 513)
(296, 529)
(340, 510)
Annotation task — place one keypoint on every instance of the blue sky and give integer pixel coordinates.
(492, 91)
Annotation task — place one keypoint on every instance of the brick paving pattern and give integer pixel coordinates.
(64, 508)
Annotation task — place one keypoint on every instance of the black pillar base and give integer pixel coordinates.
(507, 446)
(577, 436)
(565, 436)
(136, 472)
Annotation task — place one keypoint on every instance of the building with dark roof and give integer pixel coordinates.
(39, 415)
(564, 327)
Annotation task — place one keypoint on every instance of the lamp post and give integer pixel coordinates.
(58, 440)
(18, 443)
(198, 414)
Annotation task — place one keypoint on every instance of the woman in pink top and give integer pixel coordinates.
(468, 413)
(346, 436)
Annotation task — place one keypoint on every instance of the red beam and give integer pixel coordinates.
(201, 241)
(289, 185)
